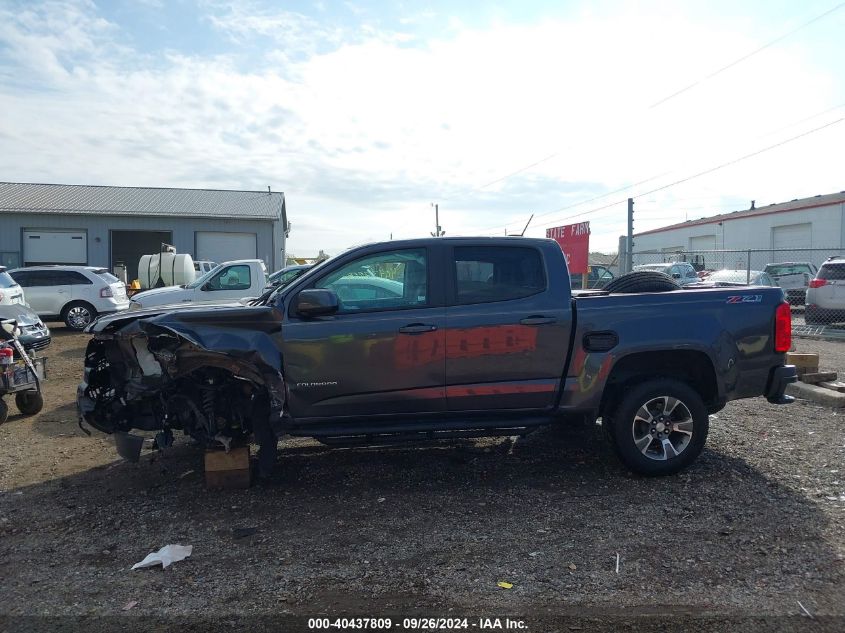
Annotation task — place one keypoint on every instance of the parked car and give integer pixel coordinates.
(682, 272)
(228, 282)
(34, 335)
(201, 267)
(793, 277)
(739, 277)
(10, 291)
(287, 274)
(825, 300)
(485, 338)
(76, 295)
(597, 277)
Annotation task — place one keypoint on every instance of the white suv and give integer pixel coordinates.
(10, 291)
(826, 294)
(75, 294)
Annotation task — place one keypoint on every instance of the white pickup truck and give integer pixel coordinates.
(793, 277)
(230, 281)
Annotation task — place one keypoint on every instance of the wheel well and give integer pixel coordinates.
(74, 302)
(691, 367)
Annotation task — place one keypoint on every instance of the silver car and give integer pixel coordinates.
(682, 272)
(739, 277)
(826, 294)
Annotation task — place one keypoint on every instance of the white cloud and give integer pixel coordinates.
(363, 130)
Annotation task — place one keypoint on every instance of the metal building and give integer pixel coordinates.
(107, 226)
(809, 228)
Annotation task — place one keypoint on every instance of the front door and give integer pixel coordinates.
(382, 353)
(508, 329)
(229, 284)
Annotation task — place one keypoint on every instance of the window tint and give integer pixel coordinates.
(691, 272)
(485, 273)
(383, 281)
(832, 272)
(6, 280)
(231, 278)
(70, 278)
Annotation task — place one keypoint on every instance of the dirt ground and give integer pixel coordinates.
(754, 528)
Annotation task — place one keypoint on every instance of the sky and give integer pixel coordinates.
(365, 114)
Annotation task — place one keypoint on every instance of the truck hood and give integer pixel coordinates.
(118, 319)
(162, 296)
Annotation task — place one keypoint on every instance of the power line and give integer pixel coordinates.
(747, 56)
(705, 172)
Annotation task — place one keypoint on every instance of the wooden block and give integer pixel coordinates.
(814, 379)
(229, 471)
(836, 386)
(802, 359)
(806, 370)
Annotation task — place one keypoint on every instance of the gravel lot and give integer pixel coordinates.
(754, 527)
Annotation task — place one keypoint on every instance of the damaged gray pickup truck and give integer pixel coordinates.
(442, 338)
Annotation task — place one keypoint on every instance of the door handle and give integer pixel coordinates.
(538, 320)
(417, 328)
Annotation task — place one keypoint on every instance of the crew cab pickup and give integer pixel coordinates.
(228, 282)
(438, 338)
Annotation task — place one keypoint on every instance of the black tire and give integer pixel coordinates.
(77, 315)
(642, 281)
(4, 412)
(641, 446)
(29, 402)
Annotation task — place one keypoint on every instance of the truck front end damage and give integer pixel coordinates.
(216, 375)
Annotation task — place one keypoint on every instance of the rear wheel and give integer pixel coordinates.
(29, 402)
(659, 427)
(4, 412)
(78, 315)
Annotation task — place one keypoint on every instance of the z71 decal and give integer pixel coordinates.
(745, 299)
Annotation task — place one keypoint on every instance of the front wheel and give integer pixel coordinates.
(659, 427)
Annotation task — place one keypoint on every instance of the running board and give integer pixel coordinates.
(375, 439)
(479, 427)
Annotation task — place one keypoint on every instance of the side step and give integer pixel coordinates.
(392, 431)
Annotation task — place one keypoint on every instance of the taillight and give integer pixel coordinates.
(817, 283)
(783, 328)
(106, 292)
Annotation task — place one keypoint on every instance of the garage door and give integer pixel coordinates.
(702, 243)
(792, 236)
(223, 247)
(54, 247)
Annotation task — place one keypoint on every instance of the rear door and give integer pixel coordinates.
(508, 328)
(383, 352)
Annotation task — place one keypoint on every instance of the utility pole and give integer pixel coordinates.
(629, 250)
(437, 230)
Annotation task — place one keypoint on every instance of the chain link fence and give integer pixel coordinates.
(813, 279)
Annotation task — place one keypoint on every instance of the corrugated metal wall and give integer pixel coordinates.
(98, 231)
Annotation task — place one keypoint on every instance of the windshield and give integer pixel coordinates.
(780, 270)
(271, 292)
(196, 283)
(658, 267)
(6, 280)
(735, 276)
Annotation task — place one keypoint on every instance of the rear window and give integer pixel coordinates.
(6, 280)
(780, 270)
(832, 271)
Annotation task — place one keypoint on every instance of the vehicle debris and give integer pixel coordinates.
(165, 557)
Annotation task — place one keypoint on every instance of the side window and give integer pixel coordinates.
(485, 274)
(691, 274)
(390, 280)
(231, 278)
(72, 278)
(23, 278)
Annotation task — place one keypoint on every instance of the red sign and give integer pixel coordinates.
(574, 240)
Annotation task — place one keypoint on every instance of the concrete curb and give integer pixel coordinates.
(819, 395)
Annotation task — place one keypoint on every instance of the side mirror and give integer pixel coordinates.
(316, 302)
